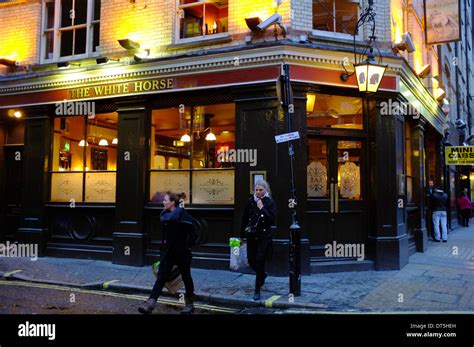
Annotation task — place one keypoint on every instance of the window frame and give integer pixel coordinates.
(189, 170)
(335, 34)
(202, 38)
(83, 172)
(57, 30)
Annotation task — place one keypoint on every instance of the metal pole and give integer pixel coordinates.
(295, 230)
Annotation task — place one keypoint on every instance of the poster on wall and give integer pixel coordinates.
(442, 21)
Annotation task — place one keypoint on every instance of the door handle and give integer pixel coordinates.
(332, 197)
(336, 198)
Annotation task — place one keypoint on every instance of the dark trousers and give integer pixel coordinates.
(164, 271)
(465, 215)
(257, 251)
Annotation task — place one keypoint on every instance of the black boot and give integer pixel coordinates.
(147, 306)
(256, 293)
(188, 305)
(262, 282)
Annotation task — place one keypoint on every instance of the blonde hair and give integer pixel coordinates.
(264, 184)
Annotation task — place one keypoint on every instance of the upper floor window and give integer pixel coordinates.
(71, 29)
(202, 18)
(337, 16)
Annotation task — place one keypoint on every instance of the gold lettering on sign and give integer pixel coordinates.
(122, 88)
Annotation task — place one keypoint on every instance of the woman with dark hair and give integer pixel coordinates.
(257, 220)
(178, 239)
(465, 207)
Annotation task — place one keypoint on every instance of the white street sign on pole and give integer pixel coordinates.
(287, 137)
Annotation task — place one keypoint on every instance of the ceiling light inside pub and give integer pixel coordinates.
(211, 136)
(115, 141)
(83, 143)
(185, 138)
(103, 142)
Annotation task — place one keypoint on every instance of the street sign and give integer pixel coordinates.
(287, 137)
(459, 155)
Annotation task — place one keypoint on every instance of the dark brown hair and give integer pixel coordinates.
(176, 197)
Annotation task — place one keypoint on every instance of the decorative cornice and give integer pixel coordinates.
(182, 66)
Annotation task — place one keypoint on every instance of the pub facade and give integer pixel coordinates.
(92, 137)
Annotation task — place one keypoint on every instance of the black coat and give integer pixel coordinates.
(264, 218)
(177, 234)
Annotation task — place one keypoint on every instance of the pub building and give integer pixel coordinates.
(89, 185)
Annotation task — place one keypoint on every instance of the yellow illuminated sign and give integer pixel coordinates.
(459, 155)
(122, 88)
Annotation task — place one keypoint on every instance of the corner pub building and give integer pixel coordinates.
(91, 186)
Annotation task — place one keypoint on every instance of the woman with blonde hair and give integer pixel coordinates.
(256, 229)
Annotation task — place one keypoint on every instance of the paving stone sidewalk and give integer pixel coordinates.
(441, 279)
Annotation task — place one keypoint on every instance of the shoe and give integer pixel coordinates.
(445, 240)
(189, 305)
(265, 275)
(436, 240)
(256, 295)
(147, 307)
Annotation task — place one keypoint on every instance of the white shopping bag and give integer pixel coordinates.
(234, 244)
(243, 260)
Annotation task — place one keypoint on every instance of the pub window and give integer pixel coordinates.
(202, 18)
(191, 152)
(336, 16)
(334, 111)
(84, 159)
(71, 29)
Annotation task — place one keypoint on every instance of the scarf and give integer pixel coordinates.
(265, 196)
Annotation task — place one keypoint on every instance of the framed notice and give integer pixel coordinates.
(256, 176)
(442, 21)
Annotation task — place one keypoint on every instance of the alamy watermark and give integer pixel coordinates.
(75, 108)
(398, 108)
(37, 330)
(237, 156)
(19, 250)
(345, 250)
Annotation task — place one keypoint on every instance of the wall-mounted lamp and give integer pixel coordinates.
(424, 71)
(104, 60)
(9, 62)
(407, 44)
(15, 114)
(253, 23)
(66, 65)
(310, 102)
(128, 44)
(441, 94)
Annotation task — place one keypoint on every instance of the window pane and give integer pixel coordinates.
(66, 11)
(323, 15)
(80, 41)
(102, 137)
(80, 8)
(334, 111)
(348, 169)
(216, 18)
(192, 22)
(49, 15)
(96, 10)
(67, 146)
(49, 45)
(346, 16)
(100, 186)
(95, 37)
(169, 148)
(66, 43)
(317, 170)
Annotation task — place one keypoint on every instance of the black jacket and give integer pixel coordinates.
(439, 201)
(264, 218)
(177, 228)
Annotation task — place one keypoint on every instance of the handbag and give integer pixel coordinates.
(252, 229)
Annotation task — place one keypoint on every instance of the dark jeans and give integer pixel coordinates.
(465, 215)
(184, 266)
(257, 251)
